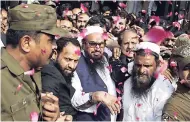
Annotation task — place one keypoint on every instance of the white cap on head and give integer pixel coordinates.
(89, 30)
(148, 45)
(93, 29)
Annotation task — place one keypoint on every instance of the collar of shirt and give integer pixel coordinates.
(11, 62)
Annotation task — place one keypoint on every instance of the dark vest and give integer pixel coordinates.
(91, 82)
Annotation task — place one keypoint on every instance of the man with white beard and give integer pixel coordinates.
(146, 91)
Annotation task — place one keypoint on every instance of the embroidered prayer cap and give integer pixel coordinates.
(182, 55)
(148, 45)
(35, 18)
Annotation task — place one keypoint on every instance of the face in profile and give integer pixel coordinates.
(184, 74)
(40, 50)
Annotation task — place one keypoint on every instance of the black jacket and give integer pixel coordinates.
(53, 81)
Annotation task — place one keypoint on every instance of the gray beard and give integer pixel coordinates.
(99, 63)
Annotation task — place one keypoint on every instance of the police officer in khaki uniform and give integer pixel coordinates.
(29, 46)
(178, 106)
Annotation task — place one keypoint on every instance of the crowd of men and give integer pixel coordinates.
(68, 63)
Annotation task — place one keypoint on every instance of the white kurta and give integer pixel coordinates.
(149, 108)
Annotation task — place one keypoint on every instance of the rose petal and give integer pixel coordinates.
(78, 52)
(97, 106)
(181, 16)
(116, 19)
(83, 93)
(110, 68)
(34, 116)
(43, 51)
(139, 105)
(83, 8)
(120, 83)
(57, 37)
(148, 51)
(169, 14)
(105, 36)
(122, 5)
(175, 115)
(144, 11)
(25, 6)
(92, 61)
(123, 69)
(19, 87)
(183, 81)
(173, 64)
(118, 91)
(30, 72)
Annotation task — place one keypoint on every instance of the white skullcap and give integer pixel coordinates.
(89, 30)
(93, 29)
(148, 45)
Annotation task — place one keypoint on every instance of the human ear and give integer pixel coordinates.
(25, 43)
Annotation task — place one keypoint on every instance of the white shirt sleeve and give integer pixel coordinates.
(80, 98)
(163, 93)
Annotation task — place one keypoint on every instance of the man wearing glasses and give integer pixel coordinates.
(95, 95)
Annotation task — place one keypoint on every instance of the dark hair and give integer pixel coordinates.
(64, 41)
(142, 52)
(123, 14)
(62, 8)
(105, 8)
(108, 23)
(14, 36)
(87, 13)
(99, 19)
(131, 17)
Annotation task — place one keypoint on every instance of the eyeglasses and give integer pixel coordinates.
(94, 44)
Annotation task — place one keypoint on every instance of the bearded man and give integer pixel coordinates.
(146, 91)
(56, 76)
(92, 81)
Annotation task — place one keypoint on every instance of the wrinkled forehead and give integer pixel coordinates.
(130, 36)
(144, 60)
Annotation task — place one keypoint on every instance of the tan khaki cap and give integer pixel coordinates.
(182, 55)
(182, 40)
(35, 18)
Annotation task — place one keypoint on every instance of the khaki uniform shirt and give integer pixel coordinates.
(17, 104)
(178, 106)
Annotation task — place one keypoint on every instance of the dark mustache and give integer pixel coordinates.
(96, 51)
